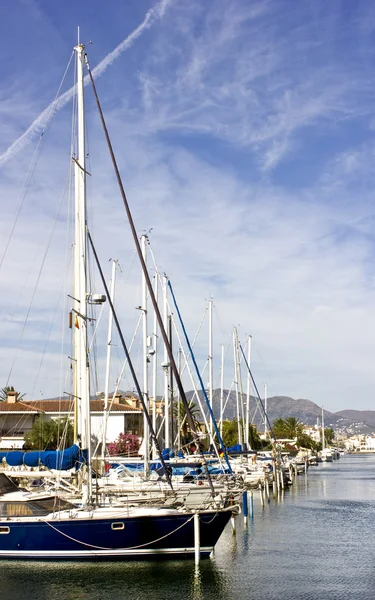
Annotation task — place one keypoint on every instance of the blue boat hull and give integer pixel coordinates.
(121, 537)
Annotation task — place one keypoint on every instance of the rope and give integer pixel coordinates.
(131, 547)
(200, 379)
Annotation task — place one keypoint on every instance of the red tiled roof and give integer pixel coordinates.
(17, 407)
(56, 406)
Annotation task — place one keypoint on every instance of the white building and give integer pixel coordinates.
(314, 432)
(360, 443)
(18, 416)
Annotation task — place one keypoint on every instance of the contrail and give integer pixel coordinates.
(39, 124)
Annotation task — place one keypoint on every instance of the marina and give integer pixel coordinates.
(187, 327)
(315, 541)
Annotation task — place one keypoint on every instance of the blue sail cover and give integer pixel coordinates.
(236, 448)
(52, 459)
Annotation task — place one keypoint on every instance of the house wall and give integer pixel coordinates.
(16, 424)
(115, 426)
(13, 424)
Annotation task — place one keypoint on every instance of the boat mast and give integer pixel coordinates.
(265, 409)
(221, 390)
(323, 436)
(81, 385)
(146, 436)
(247, 425)
(236, 376)
(155, 365)
(108, 365)
(210, 364)
(166, 365)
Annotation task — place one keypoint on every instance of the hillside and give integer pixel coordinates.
(352, 421)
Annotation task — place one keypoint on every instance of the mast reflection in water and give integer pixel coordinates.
(317, 542)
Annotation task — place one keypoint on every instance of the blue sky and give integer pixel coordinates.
(245, 135)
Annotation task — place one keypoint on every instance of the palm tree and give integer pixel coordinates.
(179, 412)
(289, 428)
(4, 393)
(294, 427)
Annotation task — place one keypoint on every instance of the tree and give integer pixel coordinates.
(329, 434)
(4, 393)
(230, 435)
(179, 412)
(126, 444)
(49, 434)
(289, 428)
(306, 441)
(279, 429)
(254, 438)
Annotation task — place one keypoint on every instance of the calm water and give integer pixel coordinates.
(317, 542)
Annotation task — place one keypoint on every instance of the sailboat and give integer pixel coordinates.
(49, 526)
(326, 454)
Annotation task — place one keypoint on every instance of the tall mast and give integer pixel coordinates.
(108, 365)
(236, 376)
(210, 365)
(155, 364)
(146, 433)
(247, 425)
(166, 367)
(81, 385)
(221, 390)
(265, 409)
(179, 402)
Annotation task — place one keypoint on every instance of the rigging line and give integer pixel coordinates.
(228, 395)
(198, 332)
(34, 162)
(130, 548)
(55, 311)
(20, 300)
(218, 376)
(195, 393)
(35, 287)
(220, 322)
(123, 343)
(157, 273)
(163, 331)
(68, 252)
(256, 390)
(151, 17)
(130, 349)
(200, 381)
(126, 274)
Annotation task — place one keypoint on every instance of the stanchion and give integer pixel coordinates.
(244, 506)
(197, 541)
(261, 495)
(233, 523)
(251, 505)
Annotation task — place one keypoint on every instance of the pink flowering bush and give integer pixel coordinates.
(126, 444)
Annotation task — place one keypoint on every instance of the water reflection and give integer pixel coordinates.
(315, 541)
(151, 580)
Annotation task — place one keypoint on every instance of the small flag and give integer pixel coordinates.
(76, 324)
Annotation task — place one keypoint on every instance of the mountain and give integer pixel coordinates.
(362, 421)
(306, 411)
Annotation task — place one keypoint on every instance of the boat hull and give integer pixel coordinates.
(97, 539)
